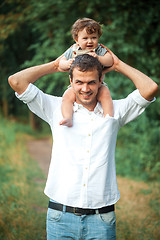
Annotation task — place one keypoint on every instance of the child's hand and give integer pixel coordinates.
(93, 54)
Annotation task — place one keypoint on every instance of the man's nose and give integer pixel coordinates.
(85, 87)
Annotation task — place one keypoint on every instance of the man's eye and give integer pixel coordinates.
(92, 82)
(78, 82)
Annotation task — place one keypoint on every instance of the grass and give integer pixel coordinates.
(23, 204)
(138, 210)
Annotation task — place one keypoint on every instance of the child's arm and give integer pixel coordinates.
(106, 60)
(65, 64)
(104, 97)
(67, 107)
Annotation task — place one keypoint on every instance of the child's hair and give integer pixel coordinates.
(90, 25)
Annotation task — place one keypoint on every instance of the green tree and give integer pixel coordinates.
(14, 42)
(130, 29)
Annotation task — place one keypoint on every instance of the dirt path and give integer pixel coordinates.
(133, 210)
(40, 150)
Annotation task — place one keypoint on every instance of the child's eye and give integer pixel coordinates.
(85, 38)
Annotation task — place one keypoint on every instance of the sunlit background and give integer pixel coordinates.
(33, 32)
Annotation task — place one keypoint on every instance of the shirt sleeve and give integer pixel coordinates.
(41, 104)
(131, 107)
(101, 51)
(68, 53)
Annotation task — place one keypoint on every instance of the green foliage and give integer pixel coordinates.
(19, 192)
(131, 30)
(138, 152)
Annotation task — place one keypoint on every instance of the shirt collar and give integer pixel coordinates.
(97, 110)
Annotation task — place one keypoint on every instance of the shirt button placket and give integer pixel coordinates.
(87, 160)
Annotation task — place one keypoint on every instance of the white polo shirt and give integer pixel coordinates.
(82, 171)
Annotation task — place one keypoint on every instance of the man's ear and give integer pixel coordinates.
(100, 81)
(70, 79)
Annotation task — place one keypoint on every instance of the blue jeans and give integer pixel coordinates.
(64, 225)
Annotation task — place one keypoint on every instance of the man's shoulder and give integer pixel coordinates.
(129, 108)
(137, 98)
(32, 92)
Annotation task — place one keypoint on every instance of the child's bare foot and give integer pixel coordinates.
(66, 122)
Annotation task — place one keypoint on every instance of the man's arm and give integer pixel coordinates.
(146, 86)
(20, 80)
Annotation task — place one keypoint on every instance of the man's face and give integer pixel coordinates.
(85, 86)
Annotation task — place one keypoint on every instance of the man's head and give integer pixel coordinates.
(86, 63)
(85, 77)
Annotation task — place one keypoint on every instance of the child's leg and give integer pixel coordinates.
(67, 107)
(104, 97)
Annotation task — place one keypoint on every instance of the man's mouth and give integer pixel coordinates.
(86, 95)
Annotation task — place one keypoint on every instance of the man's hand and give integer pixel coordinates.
(57, 65)
(62, 64)
(116, 62)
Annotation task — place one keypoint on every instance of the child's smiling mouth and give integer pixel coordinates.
(90, 46)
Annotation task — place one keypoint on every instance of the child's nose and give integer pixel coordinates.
(90, 40)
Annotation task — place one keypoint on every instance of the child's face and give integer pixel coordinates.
(87, 41)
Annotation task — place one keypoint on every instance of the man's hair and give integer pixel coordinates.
(91, 27)
(86, 63)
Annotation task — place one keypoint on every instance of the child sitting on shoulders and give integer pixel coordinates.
(86, 33)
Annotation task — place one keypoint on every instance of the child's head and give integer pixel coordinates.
(84, 29)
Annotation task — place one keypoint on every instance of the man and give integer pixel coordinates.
(81, 182)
